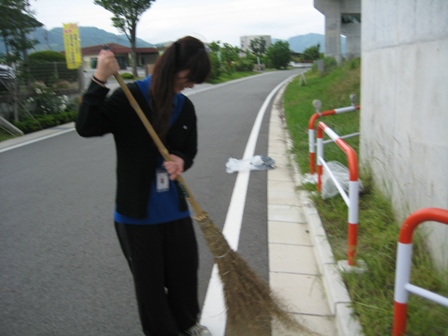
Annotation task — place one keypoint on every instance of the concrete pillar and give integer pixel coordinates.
(333, 33)
(336, 12)
(330, 8)
(352, 32)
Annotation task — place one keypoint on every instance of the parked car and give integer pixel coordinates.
(7, 77)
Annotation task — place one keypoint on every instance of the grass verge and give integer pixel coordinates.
(372, 292)
(4, 135)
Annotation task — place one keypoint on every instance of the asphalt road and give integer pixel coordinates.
(61, 268)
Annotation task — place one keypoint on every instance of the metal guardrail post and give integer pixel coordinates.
(403, 268)
(317, 104)
(352, 200)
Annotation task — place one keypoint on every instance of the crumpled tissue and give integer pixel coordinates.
(258, 162)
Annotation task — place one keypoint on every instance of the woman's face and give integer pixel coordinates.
(181, 81)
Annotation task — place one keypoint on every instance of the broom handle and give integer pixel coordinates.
(160, 146)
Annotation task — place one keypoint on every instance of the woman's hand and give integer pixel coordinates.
(174, 167)
(107, 65)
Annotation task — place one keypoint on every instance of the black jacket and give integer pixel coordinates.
(136, 152)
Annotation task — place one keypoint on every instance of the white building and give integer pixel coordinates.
(245, 41)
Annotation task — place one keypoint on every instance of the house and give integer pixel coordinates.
(145, 56)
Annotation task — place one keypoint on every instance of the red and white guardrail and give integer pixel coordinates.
(403, 269)
(311, 124)
(352, 199)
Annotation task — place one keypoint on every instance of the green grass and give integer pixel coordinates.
(4, 135)
(371, 292)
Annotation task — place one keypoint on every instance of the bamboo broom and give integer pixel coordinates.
(251, 305)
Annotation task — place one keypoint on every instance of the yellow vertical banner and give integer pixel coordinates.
(72, 46)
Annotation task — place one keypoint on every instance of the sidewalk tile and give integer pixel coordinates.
(304, 293)
(288, 233)
(292, 259)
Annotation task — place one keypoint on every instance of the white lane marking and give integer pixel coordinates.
(206, 87)
(214, 312)
(36, 140)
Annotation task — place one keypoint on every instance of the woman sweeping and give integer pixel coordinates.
(152, 219)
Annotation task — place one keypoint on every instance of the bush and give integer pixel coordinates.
(29, 124)
(354, 63)
(127, 75)
(216, 66)
(330, 64)
(278, 55)
(45, 101)
(49, 67)
(244, 64)
(47, 56)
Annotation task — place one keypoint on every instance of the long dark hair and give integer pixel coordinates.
(187, 53)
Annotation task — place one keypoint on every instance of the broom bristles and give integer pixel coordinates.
(251, 306)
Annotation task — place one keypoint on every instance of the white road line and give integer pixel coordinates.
(36, 140)
(214, 312)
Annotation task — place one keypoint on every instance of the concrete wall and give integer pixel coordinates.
(404, 98)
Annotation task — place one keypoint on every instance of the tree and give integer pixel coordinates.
(16, 22)
(230, 53)
(127, 13)
(46, 56)
(279, 55)
(312, 53)
(258, 47)
(215, 46)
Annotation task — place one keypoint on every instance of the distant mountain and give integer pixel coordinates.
(301, 42)
(53, 39)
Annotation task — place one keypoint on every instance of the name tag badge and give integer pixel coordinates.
(162, 180)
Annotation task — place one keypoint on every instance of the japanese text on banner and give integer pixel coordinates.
(72, 46)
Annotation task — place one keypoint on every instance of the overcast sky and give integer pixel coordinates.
(209, 20)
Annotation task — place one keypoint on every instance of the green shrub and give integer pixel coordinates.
(244, 64)
(127, 75)
(216, 66)
(45, 101)
(29, 124)
(354, 63)
(45, 57)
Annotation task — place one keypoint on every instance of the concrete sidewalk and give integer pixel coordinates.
(302, 269)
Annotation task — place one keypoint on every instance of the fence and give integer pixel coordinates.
(311, 125)
(53, 78)
(352, 199)
(403, 269)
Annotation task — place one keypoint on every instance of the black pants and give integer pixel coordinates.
(164, 263)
